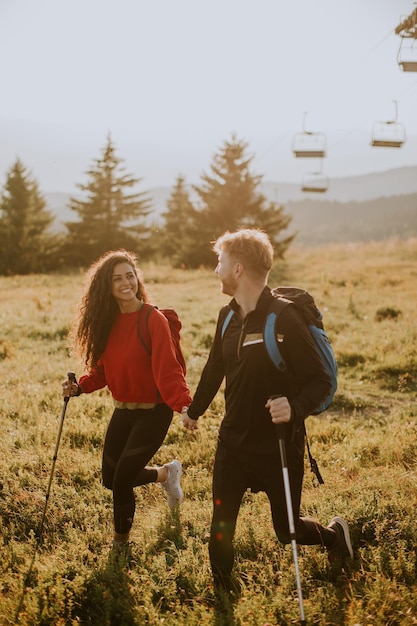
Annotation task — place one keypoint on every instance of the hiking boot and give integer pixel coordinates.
(342, 547)
(172, 484)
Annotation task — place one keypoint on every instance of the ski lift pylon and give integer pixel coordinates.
(389, 134)
(308, 144)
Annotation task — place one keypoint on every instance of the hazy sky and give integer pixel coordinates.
(172, 79)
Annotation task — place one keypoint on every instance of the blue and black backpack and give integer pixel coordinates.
(310, 313)
(312, 316)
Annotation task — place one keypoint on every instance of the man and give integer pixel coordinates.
(257, 398)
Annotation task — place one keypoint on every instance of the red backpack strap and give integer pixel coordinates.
(143, 325)
(175, 328)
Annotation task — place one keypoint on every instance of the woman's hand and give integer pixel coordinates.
(70, 388)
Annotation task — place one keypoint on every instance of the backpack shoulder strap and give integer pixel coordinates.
(226, 321)
(175, 326)
(270, 337)
(143, 325)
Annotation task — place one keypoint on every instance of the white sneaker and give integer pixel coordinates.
(172, 484)
(343, 545)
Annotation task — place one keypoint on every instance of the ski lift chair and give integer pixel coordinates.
(309, 144)
(390, 134)
(315, 182)
(407, 54)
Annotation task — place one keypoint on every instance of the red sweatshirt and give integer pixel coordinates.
(133, 375)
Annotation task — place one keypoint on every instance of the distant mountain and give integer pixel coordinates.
(394, 182)
(372, 206)
(335, 222)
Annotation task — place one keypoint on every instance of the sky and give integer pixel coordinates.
(172, 80)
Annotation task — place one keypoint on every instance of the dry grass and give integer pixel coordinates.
(366, 446)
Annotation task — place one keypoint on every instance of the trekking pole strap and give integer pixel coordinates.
(313, 463)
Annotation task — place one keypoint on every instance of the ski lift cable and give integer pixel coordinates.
(273, 145)
(363, 58)
(409, 87)
(347, 134)
(376, 46)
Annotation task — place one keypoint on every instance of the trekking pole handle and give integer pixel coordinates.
(280, 429)
(72, 378)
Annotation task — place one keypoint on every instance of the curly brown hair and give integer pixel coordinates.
(98, 308)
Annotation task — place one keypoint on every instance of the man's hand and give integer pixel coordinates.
(187, 422)
(279, 409)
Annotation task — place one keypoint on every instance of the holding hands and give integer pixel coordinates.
(187, 422)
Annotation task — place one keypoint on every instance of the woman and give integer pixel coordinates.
(146, 387)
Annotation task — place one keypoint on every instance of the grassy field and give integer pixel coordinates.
(366, 447)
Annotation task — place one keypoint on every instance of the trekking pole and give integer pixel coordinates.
(280, 433)
(71, 377)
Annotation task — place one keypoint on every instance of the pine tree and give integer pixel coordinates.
(229, 199)
(177, 241)
(110, 217)
(27, 242)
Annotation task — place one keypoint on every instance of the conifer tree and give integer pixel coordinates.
(230, 199)
(112, 216)
(178, 232)
(27, 242)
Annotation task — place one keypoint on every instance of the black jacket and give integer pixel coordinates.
(251, 377)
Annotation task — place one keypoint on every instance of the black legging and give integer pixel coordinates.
(132, 439)
(234, 474)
